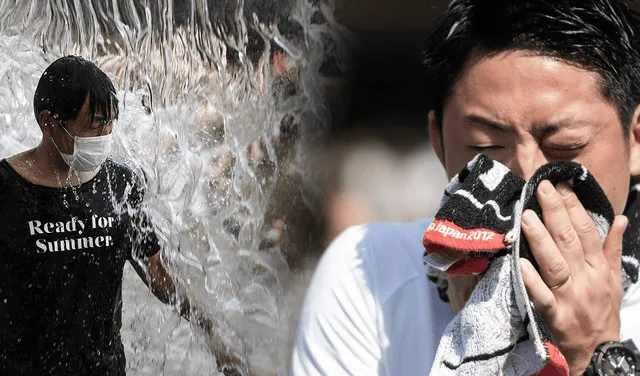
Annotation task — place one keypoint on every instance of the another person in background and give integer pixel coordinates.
(524, 82)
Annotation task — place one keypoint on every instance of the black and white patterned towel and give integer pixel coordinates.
(477, 230)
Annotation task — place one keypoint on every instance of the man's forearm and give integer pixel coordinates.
(226, 345)
(163, 286)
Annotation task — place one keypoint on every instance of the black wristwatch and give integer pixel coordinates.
(615, 359)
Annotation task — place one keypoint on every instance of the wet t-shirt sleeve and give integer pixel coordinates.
(144, 242)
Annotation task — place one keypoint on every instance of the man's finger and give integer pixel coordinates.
(558, 223)
(554, 269)
(583, 225)
(539, 293)
(613, 245)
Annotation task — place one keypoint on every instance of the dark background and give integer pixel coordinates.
(387, 91)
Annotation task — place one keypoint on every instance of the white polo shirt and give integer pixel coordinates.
(370, 309)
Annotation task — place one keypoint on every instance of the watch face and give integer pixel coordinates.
(617, 361)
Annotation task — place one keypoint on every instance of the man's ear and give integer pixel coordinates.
(436, 136)
(634, 143)
(46, 122)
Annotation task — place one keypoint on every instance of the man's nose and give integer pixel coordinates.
(107, 128)
(527, 160)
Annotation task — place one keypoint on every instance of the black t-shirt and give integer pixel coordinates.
(62, 254)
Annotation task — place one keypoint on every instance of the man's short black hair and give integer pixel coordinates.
(65, 85)
(595, 35)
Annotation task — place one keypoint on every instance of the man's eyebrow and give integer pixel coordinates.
(547, 129)
(473, 119)
(542, 129)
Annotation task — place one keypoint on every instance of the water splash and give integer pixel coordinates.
(199, 82)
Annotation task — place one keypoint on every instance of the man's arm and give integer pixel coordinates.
(153, 273)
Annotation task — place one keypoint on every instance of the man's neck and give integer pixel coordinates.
(44, 166)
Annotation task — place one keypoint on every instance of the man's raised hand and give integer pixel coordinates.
(578, 291)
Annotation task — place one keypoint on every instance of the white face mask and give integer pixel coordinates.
(88, 152)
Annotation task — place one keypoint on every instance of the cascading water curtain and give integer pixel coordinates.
(221, 102)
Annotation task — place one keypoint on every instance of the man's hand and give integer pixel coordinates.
(226, 345)
(579, 290)
(229, 351)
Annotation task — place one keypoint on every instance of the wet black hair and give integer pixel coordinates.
(600, 36)
(65, 85)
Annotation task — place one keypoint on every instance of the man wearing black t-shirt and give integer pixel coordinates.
(70, 218)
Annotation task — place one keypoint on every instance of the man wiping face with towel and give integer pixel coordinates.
(524, 83)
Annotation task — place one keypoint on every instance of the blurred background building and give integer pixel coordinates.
(380, 165)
